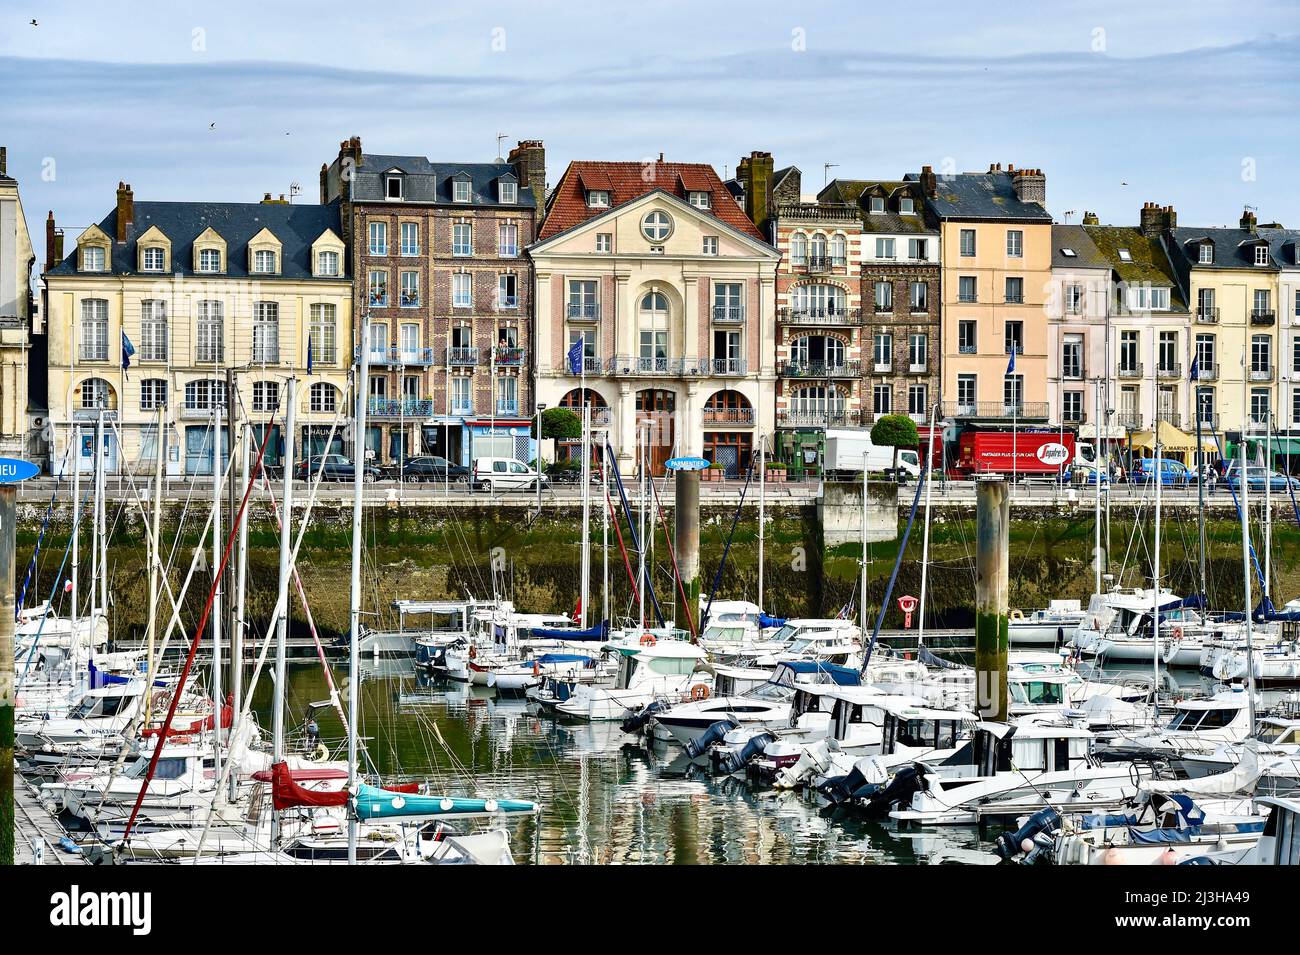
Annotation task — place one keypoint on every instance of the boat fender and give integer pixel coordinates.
(713, 734)
(320, 753)
(1011, 844)
(1178, 633)
(473, 653)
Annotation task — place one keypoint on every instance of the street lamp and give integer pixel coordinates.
(541, 406)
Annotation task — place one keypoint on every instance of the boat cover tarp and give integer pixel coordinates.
(841, 676)
(565, 658)
(207, 723)
(600, 633)
(1242, 776)
(371, 802)
(286, 793)
(931, 659)
(100, 679)
(765, 621)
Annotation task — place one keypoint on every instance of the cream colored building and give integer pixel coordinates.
(16, 260)
(195, 289)
(669, 290)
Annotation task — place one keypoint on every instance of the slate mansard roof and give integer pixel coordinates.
(982, 195)
(431, 182)
(296, 226)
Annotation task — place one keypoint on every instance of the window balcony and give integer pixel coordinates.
(636, 366)
(723, 367)
(818, 369)
(591, 365)
(817, 418)
(583, 313)
(1073, 416)
(399, 407)
(508, 355)
(803, 315)
(1257, 424)
(92, 352)
(729, 314)
(964, 298)
(1169, 370)
(917, 367)
(1073, 373)
(461, 408)
(1017, 347)
(967, 349)
(1207, 316)
(1263, 373)
(997, 410)
(1207, 371)
(728, 416)
(1173, 417)
(882, 367)
(1130, 371)
(410, 300)
(1129, 420)
(883, 308)
(1262, 316)
(462, 356)
(820, 263)
(508, 408)
(1209, 421)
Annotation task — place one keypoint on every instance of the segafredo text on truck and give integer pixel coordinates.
(1021, 452)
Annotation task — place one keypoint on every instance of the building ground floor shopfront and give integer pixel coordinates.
(457, 439)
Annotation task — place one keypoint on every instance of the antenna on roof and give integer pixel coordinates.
(295, 190)
(500, 139)
(826, 172)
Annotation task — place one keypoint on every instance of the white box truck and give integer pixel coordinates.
(847, 449)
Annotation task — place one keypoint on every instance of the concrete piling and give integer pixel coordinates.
(992, 526)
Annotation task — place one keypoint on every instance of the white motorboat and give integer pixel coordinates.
(1052, 626)
(649, 670)
(516, 678)
(1198, 726)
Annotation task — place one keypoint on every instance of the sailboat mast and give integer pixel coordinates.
(76, 535)
(160, 452)
(362, 387)
(762, 512)
(865, 623)
(218, 472)
(1098, 463)
(282, 592)
(925, 541)
(241, 593)
(1245, 581)
(1268, 505)
(102, 491)
(585, 593)
(1157, 472)
(604, 531)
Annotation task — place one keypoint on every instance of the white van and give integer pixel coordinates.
(847, 449)
(504, 474)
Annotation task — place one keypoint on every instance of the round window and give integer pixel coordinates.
(657, 226)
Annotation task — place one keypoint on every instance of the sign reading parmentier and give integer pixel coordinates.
(686, 464)
(13, 470)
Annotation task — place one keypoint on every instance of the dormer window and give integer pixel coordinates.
(92, 259)
(1206, 256)
(209, 260)
(393, 187)
(877, 204)
(597, 199)
(1261, 255)
(153, 260)
(907, 206)
(327, 263)
(700, 200)
(508, 192)
(1125, 255)
(460, 190)
(264, 262)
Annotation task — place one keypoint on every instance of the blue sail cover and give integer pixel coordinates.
(371, 802)
(598, 633)
(765, 621)
(565, 658)
(843, 676)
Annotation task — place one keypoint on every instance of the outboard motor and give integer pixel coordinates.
(840, 789)
(714, 734)
(733, 761)
(900, 790)
(637, 721)
(1037, 832)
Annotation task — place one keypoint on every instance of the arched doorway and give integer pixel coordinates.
(570, 449)
(655, 410)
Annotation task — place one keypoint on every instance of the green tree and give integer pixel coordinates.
(895, 431)
(561, 423)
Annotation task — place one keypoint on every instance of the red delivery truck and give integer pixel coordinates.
(1035, 453)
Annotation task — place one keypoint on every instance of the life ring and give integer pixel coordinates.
(319, 754)
(1178, 633)
(699, 692)
(1017, 615)
(473, 652)
(648, 640)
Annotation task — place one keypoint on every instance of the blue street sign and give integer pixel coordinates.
(13, 470)
(686, 464)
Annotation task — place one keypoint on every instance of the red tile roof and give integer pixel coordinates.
(626, 181)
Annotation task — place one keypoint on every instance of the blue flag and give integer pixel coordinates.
(1196, 368)
(127, 350)
(309, 354)
(1011, 365)
(575, 356)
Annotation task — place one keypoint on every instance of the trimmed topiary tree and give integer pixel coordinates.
(562, 423)
(895, 431)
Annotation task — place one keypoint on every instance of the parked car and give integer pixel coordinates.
(1172, 473)
(1087, 474)
(505, 474)
(334, 467)
(428, 468)
(1256, 475)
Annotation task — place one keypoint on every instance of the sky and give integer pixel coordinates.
(1190, 104)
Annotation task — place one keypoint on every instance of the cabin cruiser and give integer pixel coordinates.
(1112, 620)
(448, 621)
(1198, 726)
(765, 705)
(1009, 769)
(97, 716)
(45, 629)
(516, 678)
(1271, 663)
(650, 670)
(1052, 626)
(831, 641)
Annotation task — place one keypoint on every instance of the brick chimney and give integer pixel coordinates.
(1090, 218)
(125, 209)
(1151, 220)
(4, 160)
(529, 160)
(755, 172)
(1030, 185)
(1247, 221)
(53, 243)
(929, 182)
(1170, 217)
(324, 183)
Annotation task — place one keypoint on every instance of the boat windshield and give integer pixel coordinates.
(724, 633)
(92, 706)
(1201, 719)
(771, 691)
(1268, 733)
(1039, 692)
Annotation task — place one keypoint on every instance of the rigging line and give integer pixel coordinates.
(45, 523)
(194, 642)
(726, 549)
(618, 531)
(648, 583)
(677, 573)
(278, 609)
(898, 560)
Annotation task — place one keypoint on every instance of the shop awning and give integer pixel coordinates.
(1278, 445)
(1171, 439)
(1110, 432)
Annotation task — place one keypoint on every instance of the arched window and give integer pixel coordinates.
(324, 398)
(819, 250)
(728, 407)
(652, 321)
(205, 394)
(798, 249)
(839, 250)
(819, 301)
(96, 393)
(817, 351)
